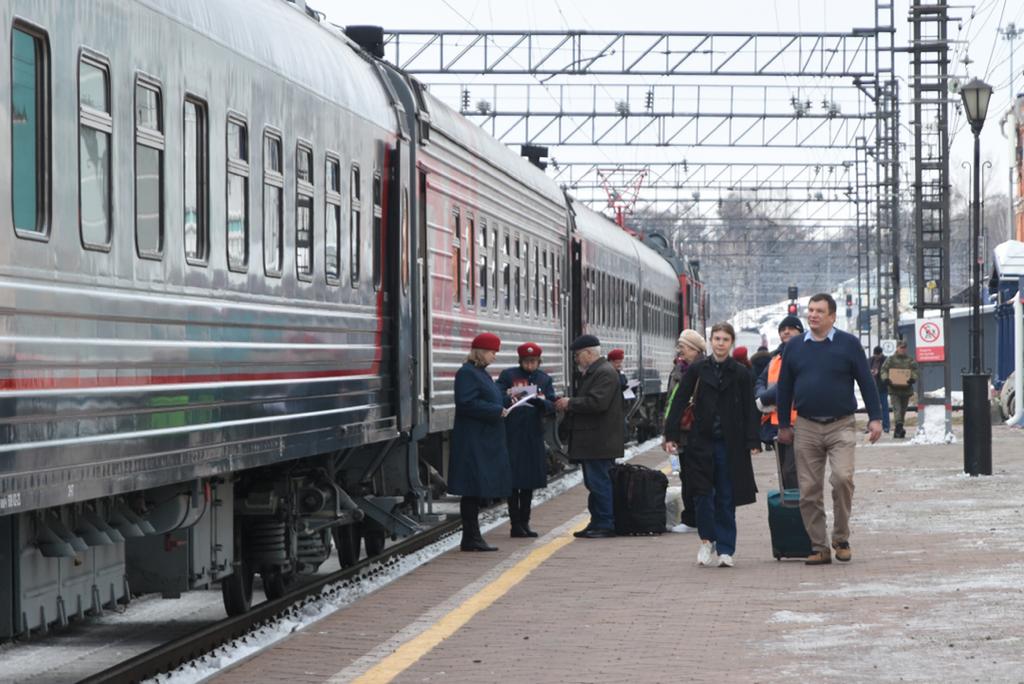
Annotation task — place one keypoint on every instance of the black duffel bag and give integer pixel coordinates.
(638, 496)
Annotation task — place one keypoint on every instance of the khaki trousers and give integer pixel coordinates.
(815, 444)
(899, 403)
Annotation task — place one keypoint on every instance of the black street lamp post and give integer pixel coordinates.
(977, 416)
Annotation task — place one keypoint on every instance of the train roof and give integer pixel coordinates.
(278, 36)
(473, 138)
(596, 227)
(1009, 259)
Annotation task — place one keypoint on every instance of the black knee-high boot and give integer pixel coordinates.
(472, 540)
(515, 515)
(525, 502)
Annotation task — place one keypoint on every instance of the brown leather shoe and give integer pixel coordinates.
(843, 552)
(819, 558)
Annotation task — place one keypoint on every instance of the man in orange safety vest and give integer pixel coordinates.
(764, 391)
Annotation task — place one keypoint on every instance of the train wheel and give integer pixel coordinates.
(373, 538)
(236, 590)
(346, 540)
(275, 584)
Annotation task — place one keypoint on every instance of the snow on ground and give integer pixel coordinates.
(931, 426)
(935, 593)
(343, 594)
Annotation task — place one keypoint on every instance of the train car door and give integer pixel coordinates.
(424, 296)
(576, 304)
(397, 248)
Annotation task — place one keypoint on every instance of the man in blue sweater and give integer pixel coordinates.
(818, 371)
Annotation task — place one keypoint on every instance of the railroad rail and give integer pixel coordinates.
(171, 655)
(167, 657)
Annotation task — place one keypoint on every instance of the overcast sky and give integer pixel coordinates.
(979, 38)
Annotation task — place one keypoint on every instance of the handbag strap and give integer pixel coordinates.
(693, 397)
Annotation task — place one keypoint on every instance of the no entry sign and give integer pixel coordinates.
(930, 343)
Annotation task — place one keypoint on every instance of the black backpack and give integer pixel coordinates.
(638, 496)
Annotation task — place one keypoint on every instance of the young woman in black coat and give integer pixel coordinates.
(724, 435)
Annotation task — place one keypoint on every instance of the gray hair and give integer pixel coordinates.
(477, 357)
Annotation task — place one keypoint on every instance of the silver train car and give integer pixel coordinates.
(242, 262)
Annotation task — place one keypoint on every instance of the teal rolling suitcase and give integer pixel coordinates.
(789, 537)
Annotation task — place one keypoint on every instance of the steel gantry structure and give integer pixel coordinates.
(930, 81)
(840, 95)
(634, 53)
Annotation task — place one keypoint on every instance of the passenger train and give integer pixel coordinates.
(243, 260)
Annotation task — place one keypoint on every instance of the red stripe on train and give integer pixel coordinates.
(182, 379)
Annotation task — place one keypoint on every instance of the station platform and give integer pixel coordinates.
(934, 592)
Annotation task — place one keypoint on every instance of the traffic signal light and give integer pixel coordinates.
(793, 292)
(792, 309)
(849, 300)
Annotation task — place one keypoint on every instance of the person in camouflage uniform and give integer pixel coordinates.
(899, 394)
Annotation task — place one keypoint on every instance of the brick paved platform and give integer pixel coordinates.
(935, 593)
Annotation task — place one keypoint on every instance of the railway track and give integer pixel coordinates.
(167, 657)
(201, 643)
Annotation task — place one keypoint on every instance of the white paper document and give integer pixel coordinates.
(524, 398)
(522, 389)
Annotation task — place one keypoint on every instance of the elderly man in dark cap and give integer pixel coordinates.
(594, 415)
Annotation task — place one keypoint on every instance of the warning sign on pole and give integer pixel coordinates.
(930, 341)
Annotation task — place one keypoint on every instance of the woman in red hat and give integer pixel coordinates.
(525, 433)
(479, 465)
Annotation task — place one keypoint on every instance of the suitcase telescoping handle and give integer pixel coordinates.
(778, 469)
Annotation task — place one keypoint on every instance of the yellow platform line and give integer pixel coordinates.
(414, 649)
(408, 653)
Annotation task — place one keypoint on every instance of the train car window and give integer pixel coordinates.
(469, 269)
(544, 281)
(517, 300)
(30, 131)
(196, 219)
(332, 220)
(404, 257)
(95, 129)
(483, 247)
(304, 181)
(506, 272)
(536, 280)
(494, 267)
(456, 256)
(149, 164)
(378, 227)
(354, 220)
(526, 276)
(588, 292)
(237, 228)
(273, 204)
(556, 291)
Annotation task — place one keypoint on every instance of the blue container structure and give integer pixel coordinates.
(1008, 262)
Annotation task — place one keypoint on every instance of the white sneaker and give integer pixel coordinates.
(725, 561)
(706, 556)
(682, 528)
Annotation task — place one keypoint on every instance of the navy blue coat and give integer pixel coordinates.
(478, 465)
(525, 427)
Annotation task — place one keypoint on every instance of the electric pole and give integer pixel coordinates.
(1010, 34)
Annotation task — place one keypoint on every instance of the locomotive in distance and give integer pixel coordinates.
(243, 259)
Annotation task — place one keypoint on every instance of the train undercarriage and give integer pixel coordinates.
(279, 522)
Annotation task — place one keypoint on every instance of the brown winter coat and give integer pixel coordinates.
(595, 415)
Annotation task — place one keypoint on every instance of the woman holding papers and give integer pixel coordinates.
(529, 394)
(479, 466)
